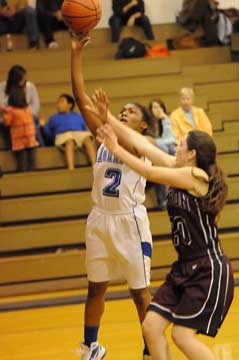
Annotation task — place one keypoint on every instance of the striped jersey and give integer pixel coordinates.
(116, 187)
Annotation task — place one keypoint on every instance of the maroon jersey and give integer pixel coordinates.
(194, 232)
(198, 291)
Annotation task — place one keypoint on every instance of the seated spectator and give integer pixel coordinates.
(17, 77)
(162, 127)
(50, 20)
(188, 117)
(204, 13)
(164, 138)
(130, 13)
(68, 131)
(16, 16)
(18, 116)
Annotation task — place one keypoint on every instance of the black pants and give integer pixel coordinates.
(25, 159)
(48, 24)
(117, 22)
(26, 19)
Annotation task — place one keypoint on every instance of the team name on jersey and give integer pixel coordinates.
(103, 155)
(179, 199)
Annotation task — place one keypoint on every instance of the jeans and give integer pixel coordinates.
(39, 136)
(48, 24)
(23, 19)
(25, 159)
(117, 22)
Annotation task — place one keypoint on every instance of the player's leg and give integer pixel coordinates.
(90, 149)
(69, 153)
(141, 299)
(187, 341)
(94, 309)
(154, 327)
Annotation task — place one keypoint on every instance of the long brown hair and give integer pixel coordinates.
(160, 126)
(206, 160)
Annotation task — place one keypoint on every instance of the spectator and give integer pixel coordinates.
(130, 13)
(50, 19)
(16, 16)
(17, 77)
(204, 13)
(18, 116)
(162, 127)
(188, 117)
(164, 139)
(68, 130)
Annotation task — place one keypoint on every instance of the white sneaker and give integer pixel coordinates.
(53, 45)
(94, 352)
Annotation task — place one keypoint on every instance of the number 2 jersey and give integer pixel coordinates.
(194, 231)
(116, 187)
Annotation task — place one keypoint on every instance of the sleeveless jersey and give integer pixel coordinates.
(116, 187)
(194, 231)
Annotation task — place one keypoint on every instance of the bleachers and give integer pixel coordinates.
(43, 213)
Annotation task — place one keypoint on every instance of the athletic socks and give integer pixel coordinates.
(90, 334)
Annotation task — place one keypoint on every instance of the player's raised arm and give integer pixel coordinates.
(78, 86)
(131, 140)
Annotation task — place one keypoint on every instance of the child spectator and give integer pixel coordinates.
(130, 13)
(188, 117)
(18, 116)
(17, 78)
(164, 139)
(67, 130)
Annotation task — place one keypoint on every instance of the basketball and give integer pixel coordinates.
(81, 15)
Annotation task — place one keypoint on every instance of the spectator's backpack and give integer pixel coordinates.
(130, 48)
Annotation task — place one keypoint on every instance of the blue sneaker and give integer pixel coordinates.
(94, 352)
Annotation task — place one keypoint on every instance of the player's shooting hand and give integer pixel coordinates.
(78, 41)
(106, 136)
(101, 105)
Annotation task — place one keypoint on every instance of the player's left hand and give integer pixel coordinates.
(107, 136)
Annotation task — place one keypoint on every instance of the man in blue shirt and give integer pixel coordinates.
(67, 130)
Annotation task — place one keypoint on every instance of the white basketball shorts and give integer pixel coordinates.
(119, 246)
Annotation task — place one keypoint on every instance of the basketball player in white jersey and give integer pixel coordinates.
(118, 238)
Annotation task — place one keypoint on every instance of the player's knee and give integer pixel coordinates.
(141, 297)
(178, 336)
(96, 290)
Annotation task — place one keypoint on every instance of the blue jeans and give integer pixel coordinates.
(23, 19)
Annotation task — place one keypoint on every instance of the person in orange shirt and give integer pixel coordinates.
(188, 117)
(18, 116)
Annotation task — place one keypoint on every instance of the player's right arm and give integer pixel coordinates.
(78, 85)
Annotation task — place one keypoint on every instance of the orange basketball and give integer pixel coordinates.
(81, 15)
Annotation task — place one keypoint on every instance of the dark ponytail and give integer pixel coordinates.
(206, 160)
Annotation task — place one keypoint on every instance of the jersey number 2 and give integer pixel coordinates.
(112, 188)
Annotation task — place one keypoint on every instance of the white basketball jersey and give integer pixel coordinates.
(116, 187)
